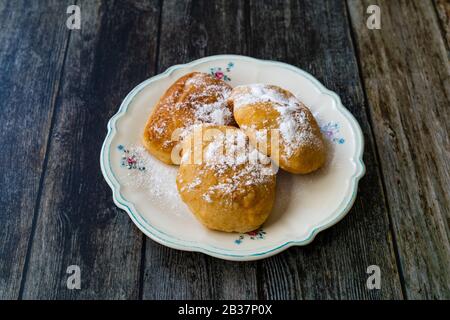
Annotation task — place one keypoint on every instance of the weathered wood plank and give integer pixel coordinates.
(443, 10)
(314, 35)
(77, 222)
(191, 30)
(31, 57)
(406, 75)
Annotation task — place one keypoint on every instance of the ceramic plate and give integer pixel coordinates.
(305, 205)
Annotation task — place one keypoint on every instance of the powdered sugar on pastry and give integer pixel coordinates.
(209, 102)
(259, 93)
(292, 121)
(236, 192)
(214, 113)
(295, 129)
(234, 162)
(195, 98)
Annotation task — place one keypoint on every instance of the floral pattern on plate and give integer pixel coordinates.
(331, 131)
(222, 74)
(129, 159)
(259, 234)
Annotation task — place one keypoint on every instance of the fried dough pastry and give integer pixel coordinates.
(265, 110)
(231, 186)
(194, 98)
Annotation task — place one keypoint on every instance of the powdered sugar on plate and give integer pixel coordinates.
(154, 178)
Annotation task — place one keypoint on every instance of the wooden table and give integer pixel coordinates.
(59, 87)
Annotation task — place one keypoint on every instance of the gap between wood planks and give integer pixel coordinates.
(44, 170)
(44, 167)
(404, 67)
(377, 154)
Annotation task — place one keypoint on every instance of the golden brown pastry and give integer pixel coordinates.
(226, 183)
(264, 111)
(194, 98)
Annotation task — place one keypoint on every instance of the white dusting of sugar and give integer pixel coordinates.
(292, 123)
(158, 180)
(159, 128)
(215, 113)
(207, 100)
(258, 93)
(231, 156)
(207, 197)
(192, 185)
(295, 130)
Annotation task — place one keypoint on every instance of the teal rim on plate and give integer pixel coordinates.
(227, 254)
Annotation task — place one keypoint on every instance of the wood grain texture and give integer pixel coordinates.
(58, 88)
(31, 57)
(77, 222)
(191, 30)
(443, 10)
(406, 76)
(314, 35)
